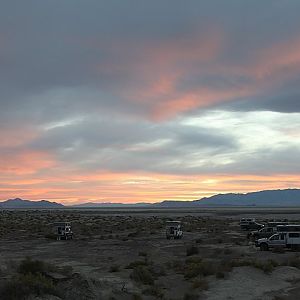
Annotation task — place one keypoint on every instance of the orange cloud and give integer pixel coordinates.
(167, 64)
(14, 137)
(25, 162)
(71, 188)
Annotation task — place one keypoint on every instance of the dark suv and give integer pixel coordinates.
(251, 225)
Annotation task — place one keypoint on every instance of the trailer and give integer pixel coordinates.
(174, 230)
(289, 240)
(63, 230)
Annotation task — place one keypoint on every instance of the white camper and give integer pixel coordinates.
(174, 230)
(63, 230)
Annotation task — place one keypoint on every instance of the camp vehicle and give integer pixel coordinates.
(283, 240)
(250, 224)
(288, 228)
(272, 228)
(63, 230)
(174, 230)
(264, 232)
(246, 220)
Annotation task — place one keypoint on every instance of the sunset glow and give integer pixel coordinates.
(111, 102)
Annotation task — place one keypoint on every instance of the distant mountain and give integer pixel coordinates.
(271, 198)
(20, 203)
(277, 198)
(110, 205)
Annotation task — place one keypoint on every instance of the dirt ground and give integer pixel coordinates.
(123, 254)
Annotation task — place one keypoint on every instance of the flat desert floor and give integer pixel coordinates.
(124, 254)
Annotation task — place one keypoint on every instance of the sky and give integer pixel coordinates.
(144, 101)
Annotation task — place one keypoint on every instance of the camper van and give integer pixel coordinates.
(63, 230)
(174, 230)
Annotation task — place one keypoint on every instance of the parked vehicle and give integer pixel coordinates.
(284, 239)
(265, 232)
(246, 220)
(250, 225)
(174, 230)
(277, 223)
(63, 230)
(272, 228)
(288, 228)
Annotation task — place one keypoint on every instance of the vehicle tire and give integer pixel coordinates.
(264, 247)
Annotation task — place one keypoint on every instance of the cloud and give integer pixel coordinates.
(140, 59)
(162, 89)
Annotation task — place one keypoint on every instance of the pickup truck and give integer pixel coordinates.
(289, 240)
(265, 232)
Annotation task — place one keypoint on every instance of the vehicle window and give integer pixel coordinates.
(282, 236)
(269, 230)
(294, 235)
(274, 238)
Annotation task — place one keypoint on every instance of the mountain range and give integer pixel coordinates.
(268, 198)
(20, 203)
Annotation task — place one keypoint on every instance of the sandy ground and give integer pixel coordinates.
(106, 243)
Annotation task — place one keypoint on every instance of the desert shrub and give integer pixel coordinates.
(200, 284)
(294, 262)
(202, 268)
(24, 285)
(220, 275)
(142, 274)
(66, 270)
(190, 296)
(192, 250)
(142, 253)
(136, 263)
(228, 251)
(137, 297)
(114, 268)
(154, 291)
(157, 270)
(266, 266)
(199, 241)
(194, 259)
(133, 234)
(176, 265)
(28, 266)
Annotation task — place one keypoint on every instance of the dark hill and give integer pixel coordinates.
(20, 203)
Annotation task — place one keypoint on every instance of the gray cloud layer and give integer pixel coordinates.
(108, 84)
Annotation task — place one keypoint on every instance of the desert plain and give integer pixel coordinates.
(124, 254)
